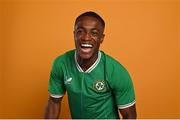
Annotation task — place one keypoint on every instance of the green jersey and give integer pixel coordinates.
(97, 92)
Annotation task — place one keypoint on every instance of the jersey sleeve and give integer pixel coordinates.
(56, 86)
(123, 89)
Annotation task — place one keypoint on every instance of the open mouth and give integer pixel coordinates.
(86, 47)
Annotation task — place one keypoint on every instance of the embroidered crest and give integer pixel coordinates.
(99, 85)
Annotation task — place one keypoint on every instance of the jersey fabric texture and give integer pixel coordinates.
(95, 93)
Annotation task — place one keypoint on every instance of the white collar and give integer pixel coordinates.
(90, 68)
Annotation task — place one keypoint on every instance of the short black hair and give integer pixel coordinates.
(91, 14)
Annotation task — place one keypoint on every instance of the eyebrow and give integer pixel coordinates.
(85, 28)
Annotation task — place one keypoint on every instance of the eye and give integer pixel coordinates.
(94, 33)
(79, 31)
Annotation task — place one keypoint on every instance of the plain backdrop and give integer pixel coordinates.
(143, 35)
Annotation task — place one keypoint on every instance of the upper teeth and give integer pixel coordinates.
(86, 45)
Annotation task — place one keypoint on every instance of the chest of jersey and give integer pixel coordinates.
(89, 94)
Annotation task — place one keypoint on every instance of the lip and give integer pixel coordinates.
(86, 50)
(86, 45)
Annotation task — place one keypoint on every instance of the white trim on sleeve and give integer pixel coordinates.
(56, 96)
(127, 105)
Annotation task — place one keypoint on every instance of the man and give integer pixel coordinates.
(97, 85)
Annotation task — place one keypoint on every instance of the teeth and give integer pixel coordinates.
(86, 45)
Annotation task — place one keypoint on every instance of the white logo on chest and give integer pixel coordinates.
(99, 85)
(68, 80)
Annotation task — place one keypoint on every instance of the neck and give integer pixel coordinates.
(86, 63)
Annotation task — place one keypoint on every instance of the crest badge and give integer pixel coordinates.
(99, 86)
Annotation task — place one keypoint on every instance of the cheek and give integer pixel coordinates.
(97, 45)
(98, 41)
(76, 38)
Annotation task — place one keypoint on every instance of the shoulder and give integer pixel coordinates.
(112, 63)
(117, 74)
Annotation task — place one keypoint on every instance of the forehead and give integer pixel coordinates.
(88, 21)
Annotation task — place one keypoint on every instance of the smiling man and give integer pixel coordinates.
(97, 85)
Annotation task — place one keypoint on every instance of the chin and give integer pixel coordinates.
(85, 56)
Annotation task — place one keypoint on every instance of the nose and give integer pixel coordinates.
(87, 36)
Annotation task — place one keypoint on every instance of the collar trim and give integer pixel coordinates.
(93, 66)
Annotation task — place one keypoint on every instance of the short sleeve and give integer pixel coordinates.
(123, 89)
(56, 85)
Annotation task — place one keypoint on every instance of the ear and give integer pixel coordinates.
(102, 38)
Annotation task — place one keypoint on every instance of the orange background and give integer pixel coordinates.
(142, 34)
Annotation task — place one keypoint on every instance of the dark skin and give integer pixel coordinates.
(88, 30)
(53, 108)
(129, 113)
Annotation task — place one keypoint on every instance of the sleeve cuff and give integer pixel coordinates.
(127, 105)
(56, 96)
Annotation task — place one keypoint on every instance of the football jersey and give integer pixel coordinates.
(97, 92)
